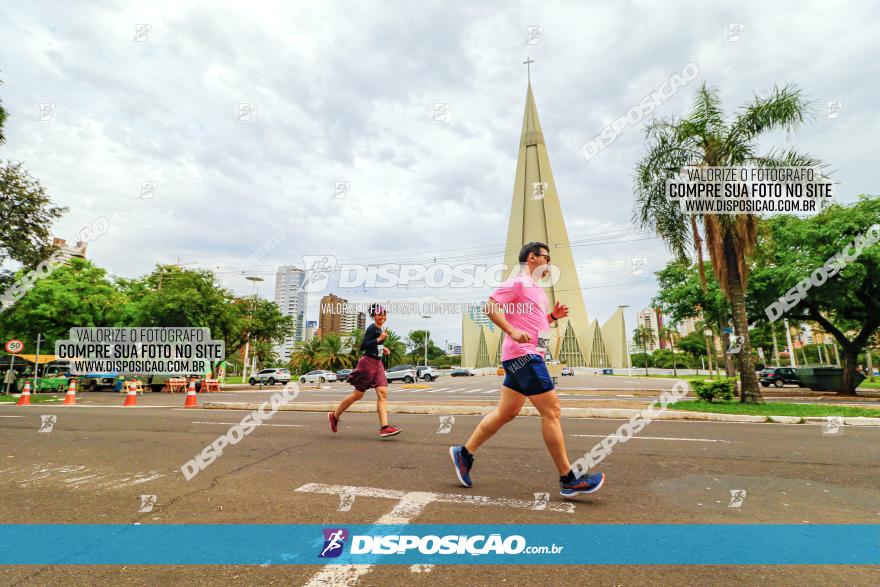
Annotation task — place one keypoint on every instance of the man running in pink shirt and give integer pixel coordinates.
(519, 308)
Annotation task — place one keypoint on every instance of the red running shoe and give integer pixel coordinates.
(389, 430)
(334, 421)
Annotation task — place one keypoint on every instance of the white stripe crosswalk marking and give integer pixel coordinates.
(490, 391)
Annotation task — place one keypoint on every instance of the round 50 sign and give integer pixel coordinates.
(14, 346)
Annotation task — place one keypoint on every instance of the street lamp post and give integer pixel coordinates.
(247, 347)
(426, 339)
(707, 333)
(629, 367)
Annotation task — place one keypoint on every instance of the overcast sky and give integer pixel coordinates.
(345, 92)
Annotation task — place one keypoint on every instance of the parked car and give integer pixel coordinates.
(779, 376)
(318, 376)
(463, 372)
(271, 376)
(405, 373)
(567, 371)
(426, 373)
(342, 374)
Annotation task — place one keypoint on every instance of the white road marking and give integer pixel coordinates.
(139, 481)
(409, 505)
(651, 438)
(234, 423)
(11, 416)
(490, 391)
(567, 508)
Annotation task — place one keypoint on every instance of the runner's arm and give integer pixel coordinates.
(495, 311)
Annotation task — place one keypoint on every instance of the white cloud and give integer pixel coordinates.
(343, 92)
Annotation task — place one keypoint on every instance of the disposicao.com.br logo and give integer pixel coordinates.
(397, 544)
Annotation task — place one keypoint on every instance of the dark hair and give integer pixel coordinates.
(375, 310)
(534, 247)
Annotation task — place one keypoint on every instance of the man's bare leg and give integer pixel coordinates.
(547, 405)
(507, 409)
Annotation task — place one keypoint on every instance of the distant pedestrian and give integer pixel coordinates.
(370, 372)
(9, 381)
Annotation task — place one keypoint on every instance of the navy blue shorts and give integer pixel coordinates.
(528, 375)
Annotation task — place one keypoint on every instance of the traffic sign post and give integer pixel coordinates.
(13, 347)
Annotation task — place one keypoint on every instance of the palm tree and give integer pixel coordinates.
(706, 138)
(330, 353)
(669, 333)
(305, 357)
(397, 349)
(641, 335)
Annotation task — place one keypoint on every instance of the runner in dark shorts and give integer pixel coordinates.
(525, 372)
(369, 373)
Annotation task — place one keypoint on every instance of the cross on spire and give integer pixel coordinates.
(528, 63)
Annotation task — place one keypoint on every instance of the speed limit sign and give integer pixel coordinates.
(14, 346)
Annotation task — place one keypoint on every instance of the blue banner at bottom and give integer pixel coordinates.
(294, 544)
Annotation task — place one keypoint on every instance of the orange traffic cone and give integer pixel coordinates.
(191, 401)
(131, 399)
(25, 398)
(70, 397)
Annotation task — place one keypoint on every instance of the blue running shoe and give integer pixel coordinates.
(589, 483)
(462, 464)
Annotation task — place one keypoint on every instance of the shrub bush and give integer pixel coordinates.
(708, 390)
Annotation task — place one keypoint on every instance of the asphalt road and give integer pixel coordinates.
(98, 460)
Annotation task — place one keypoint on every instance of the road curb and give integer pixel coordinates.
(611, 413)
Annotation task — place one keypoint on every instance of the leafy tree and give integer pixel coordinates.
(172, 296)
(26, 214)
(416, 346)
(640, 360)
(76, 294)
(705, 137)
(684, 294)
(847, 305)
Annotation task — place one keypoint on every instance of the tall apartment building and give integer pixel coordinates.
(651, 319)
(334, 317)
(688, 325)
(292, 300)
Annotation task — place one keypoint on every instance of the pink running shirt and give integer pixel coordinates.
(525, 307)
